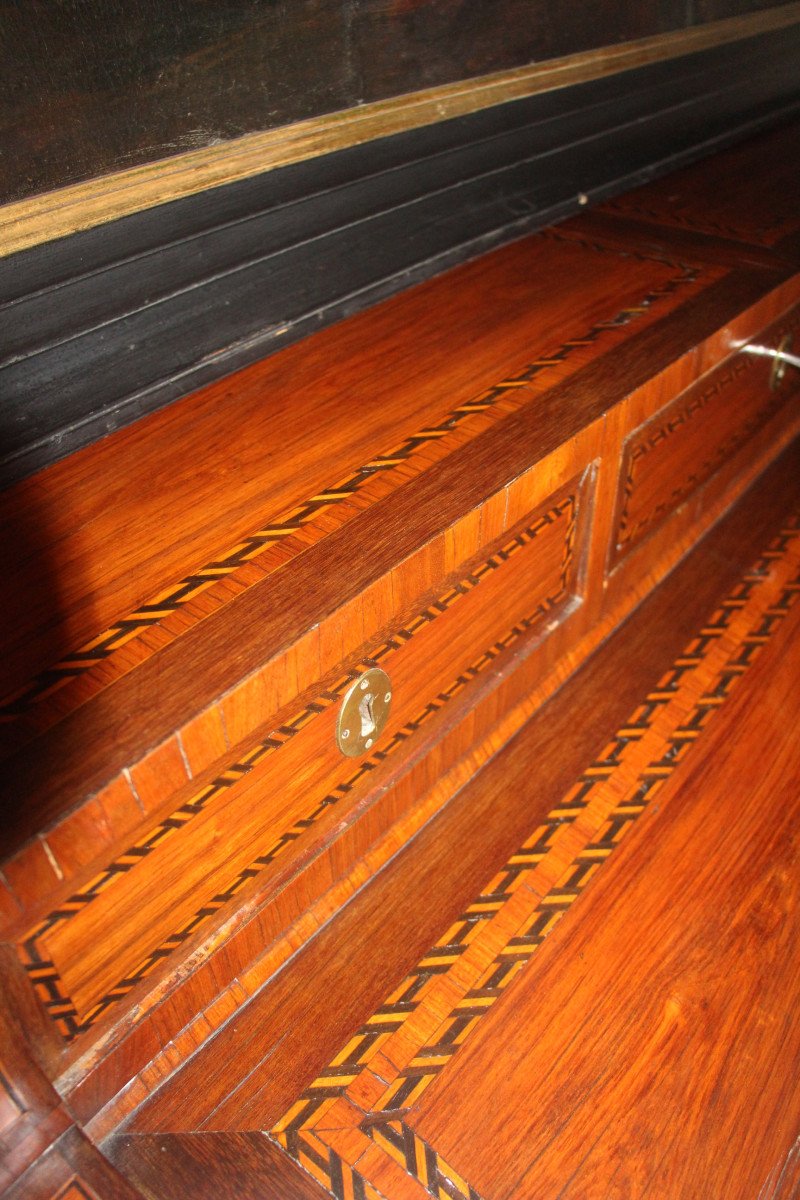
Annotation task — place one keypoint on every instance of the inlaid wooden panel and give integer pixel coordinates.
(141, 710)
(290, 1026)
(725, 197)
(657, 1029)
(688, 441)
(398, 1093)
(75, 1189)
(91, 592)
(92, 950)
(433, 489)
(72, 1169)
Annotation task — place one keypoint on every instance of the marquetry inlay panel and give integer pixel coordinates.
(350, 1126)
(685, 444)
(109, 653)
(87, 955)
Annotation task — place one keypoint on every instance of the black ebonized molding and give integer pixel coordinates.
(104, 326)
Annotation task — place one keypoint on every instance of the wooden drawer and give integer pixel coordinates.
(690, 440)
(507, 573)
(442, 511)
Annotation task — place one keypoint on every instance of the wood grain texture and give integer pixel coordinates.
(193, 826)
(122, 722)
(724, 202)
(210, 1166)
(80, 988)
(109, 555)
(263, 943)
(690, 439)
(327, 1131)
(77, 966)
(382, 423)
(72, 1169)
(198, 872)
(258, 1066)
(392, 1060)
(687, 1087)
(33, 1115)
(80, 206)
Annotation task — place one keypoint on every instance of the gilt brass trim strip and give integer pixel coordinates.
(82, 206)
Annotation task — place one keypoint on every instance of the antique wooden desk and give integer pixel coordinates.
(553, 495)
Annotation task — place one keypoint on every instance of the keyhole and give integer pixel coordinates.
(367, 719)
(364, 712)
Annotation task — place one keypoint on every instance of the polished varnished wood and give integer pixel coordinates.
(364, 1111)
(95, 513)
(101, 947)
(73, 1169)
(727, 200)
(715, 212)
(673, 454)
(477, 518)
(120, 723)
(656, 1031)
(112, 988)
(253, 952)
(226, 1166)
(282, 1039)
(32, 1114)
(287, 1034)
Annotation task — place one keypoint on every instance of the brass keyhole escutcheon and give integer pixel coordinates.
(364, 712)
(779, 363)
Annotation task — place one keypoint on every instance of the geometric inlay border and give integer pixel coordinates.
(43, 972)
(655, 433)
(357, 1106)
(101, 647)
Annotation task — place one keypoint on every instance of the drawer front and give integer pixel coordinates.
(90, 952)
(674, 453)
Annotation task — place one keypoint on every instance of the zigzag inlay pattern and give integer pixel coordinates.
(335, 1174)
(43, 973)
(421, 1161)
(105, 644)
(696, 685)
(655, 433)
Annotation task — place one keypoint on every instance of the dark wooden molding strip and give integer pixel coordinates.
(115, 321)
(82, 206)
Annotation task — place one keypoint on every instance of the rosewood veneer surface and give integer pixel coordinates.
(190, 517)
(553, 495)
(652, 1049)
(646, 1048)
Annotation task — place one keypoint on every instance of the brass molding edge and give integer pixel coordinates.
(82, 206)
